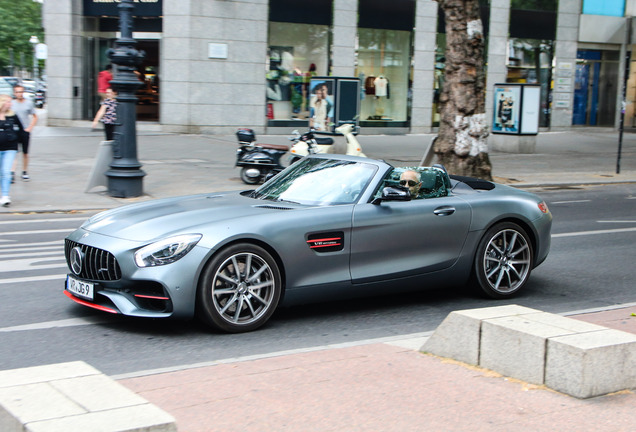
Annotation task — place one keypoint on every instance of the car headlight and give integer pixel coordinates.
(166, 251)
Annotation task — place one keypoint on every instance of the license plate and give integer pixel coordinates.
(79, 288)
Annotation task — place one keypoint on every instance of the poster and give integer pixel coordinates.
(321, 105)
(506, 109)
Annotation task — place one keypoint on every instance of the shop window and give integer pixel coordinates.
(530, 62)
(296, 53)
(298, 48)
(383, 68)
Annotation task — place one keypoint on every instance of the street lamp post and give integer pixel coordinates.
(34, 41)
(125, 177)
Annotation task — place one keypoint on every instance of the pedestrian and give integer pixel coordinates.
(10, 130)
(107, 114)
(103, 80)
(25, 111)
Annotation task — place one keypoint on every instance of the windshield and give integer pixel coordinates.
(319, 182)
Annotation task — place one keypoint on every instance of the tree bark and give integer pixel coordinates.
(461, 145)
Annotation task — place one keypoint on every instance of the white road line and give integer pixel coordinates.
(13, 222)
(71, 322)
(15, 253)
(570, 202)
(27, 254)
(61, 277)
(15, 244)
(25, 264)
(584, 233)
(618, 221)
(68, 230)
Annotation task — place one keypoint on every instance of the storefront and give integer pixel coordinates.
(299, 38)
(217, 65)
(100, 18)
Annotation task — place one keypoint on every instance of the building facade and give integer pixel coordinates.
(215, 65)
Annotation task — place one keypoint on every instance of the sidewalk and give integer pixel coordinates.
(378, 387)
(61, 160)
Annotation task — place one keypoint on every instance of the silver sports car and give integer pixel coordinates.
(329, 226)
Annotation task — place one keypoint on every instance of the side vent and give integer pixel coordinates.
(271, 207)
(326, 242)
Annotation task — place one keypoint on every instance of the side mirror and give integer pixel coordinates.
(393, 193)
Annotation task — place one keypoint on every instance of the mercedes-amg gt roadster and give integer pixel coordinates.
(327, 227)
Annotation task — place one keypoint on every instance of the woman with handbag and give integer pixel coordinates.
(10, 131)
(107, 114)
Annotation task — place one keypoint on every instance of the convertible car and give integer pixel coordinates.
(329, 226)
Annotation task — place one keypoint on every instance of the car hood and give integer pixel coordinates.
(188, 214)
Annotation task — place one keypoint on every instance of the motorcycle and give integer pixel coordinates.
(308, 143)
(257, 161)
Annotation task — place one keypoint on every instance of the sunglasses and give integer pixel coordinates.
(409, 182)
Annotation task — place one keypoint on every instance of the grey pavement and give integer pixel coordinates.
(381, 385)
(61, 160)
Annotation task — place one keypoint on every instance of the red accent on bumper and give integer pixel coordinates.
(151, 297)
(89, 304)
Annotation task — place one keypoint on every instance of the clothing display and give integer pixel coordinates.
(369, 85)
(380, 84)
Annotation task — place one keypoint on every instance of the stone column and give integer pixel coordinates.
(424, 66)
(63, 25)
(345, 27)
(565, 62)
(213, 54)
(497, 50)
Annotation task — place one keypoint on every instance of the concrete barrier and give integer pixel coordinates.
(567, 355)
(74, 397)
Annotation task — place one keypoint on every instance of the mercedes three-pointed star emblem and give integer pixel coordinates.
(76, 260)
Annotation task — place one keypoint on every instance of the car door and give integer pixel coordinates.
(406, 238)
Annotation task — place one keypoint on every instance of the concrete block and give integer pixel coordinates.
(74, 397)
(458, 336)
(591, 364)
(515, 346)
(143, 418)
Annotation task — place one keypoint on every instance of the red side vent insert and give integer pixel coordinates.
(326, 241)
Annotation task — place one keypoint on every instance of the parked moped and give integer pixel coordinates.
(308, 143)
(257, 160)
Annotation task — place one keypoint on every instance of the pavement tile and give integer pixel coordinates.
(623, 319)
(371, 388)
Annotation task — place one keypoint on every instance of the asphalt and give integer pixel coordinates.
(376, 385)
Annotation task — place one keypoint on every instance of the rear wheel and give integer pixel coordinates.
(240, 289)
(503, 261)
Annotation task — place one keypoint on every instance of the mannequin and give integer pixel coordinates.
(381, 91)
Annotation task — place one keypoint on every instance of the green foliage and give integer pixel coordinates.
(21, 19)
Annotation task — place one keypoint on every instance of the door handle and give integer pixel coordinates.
(444, 211)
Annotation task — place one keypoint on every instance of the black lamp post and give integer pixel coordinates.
(125, 177)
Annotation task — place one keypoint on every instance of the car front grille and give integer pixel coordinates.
(97, 264)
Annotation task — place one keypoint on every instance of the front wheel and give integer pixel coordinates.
(250, 175)
(503, 261)
(240, 289)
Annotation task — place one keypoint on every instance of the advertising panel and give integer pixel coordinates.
(333, 101)
(516, 109)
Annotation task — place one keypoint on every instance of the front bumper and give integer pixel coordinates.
(152, 292)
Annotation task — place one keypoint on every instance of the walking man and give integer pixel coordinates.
(25, 111)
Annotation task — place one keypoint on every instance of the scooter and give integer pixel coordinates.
(257, 161)
(353, 146)
(308, 144)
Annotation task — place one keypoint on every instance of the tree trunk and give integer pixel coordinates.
(461, 145)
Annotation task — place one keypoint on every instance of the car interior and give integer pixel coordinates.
(435, 181)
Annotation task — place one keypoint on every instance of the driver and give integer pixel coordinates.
(411, 179)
